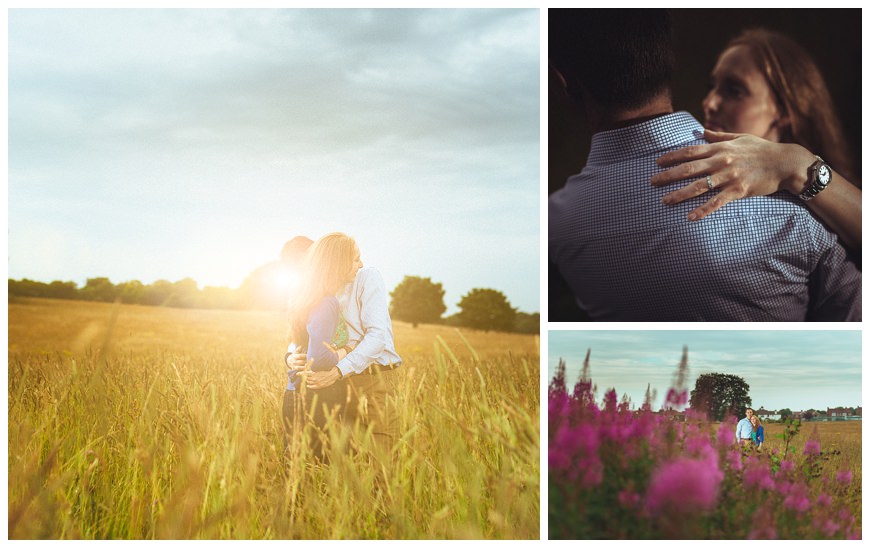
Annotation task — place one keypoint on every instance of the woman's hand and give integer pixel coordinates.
(735, 165)
(297, 361)
(738, 166)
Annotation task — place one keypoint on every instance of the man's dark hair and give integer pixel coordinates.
(623, 58)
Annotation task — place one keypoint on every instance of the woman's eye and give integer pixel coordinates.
(732, 91)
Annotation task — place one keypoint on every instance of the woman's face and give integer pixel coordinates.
(357, 264)
(740, 100)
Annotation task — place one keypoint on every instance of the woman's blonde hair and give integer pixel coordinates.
(326, 267)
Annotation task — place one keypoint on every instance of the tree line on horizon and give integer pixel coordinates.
(415, 299)
(717, 395)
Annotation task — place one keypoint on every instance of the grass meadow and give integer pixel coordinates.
(133, 422)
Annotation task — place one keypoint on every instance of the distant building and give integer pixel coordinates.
(843, 413)
(766, 415)
(834, 412)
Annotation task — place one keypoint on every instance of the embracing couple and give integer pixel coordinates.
(342, 359)
(749, 430)
(741, 219)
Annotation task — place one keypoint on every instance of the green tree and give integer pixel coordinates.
(185, 294)
(132, 292)
(486, 309)
(62, 290)
(417, 300)
(785, 414)
(718, 394)
(527, 323)
(158, 293)
(99, 289)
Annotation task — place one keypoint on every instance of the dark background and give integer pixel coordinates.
(832, 37)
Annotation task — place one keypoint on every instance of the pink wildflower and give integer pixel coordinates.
(762, 532)
(697, 445)
(592, 472)
(628, 499)
(786, 466)
(757, 474)
(610, 401)
(824, 500)
(684, 484)
(844, 477)
(677, 398)
(829, 528)
(734, 460)
(725, 434)
(763, 527)
(813, 447)
(571, 443)
(796, 499)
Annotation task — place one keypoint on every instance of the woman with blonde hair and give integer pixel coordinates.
(317, 326)
(772, 126)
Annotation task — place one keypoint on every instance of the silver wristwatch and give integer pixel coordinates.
(818, 176)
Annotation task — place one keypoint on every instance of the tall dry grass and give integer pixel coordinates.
(138, 422)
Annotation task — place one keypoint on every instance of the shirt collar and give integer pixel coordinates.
(663, 132)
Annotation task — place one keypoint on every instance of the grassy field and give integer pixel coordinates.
(840, 440)
(138, 422)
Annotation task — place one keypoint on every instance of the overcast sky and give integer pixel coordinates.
(794, 369)
(149, 144)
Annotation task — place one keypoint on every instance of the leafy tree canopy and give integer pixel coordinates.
(417, 300)
(486, 309)
(718, 395)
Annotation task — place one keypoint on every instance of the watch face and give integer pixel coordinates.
(824, 174)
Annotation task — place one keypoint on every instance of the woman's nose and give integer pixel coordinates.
(710, 102)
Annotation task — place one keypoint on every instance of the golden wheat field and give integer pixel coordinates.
(840, 441)
(135, 422)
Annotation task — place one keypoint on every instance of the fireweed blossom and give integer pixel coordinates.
(844, 477)
(812, 447)
(684, 485)
(757, 474)
(725, 434)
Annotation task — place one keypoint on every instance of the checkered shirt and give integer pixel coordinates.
(628, 257)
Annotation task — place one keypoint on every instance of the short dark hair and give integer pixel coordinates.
(623, 58)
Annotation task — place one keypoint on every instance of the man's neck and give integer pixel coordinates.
(605, 120)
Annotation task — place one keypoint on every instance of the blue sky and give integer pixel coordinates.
(149, 144)
(797, 369)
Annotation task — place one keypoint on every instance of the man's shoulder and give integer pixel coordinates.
(368, 275)
(368, 280)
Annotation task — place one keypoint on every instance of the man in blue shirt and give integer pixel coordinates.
(626, 258)
(743, 433)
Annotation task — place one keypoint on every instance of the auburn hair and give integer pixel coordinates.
(802, 95)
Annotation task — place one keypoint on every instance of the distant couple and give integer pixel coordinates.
(749, 429)
(341, 359)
